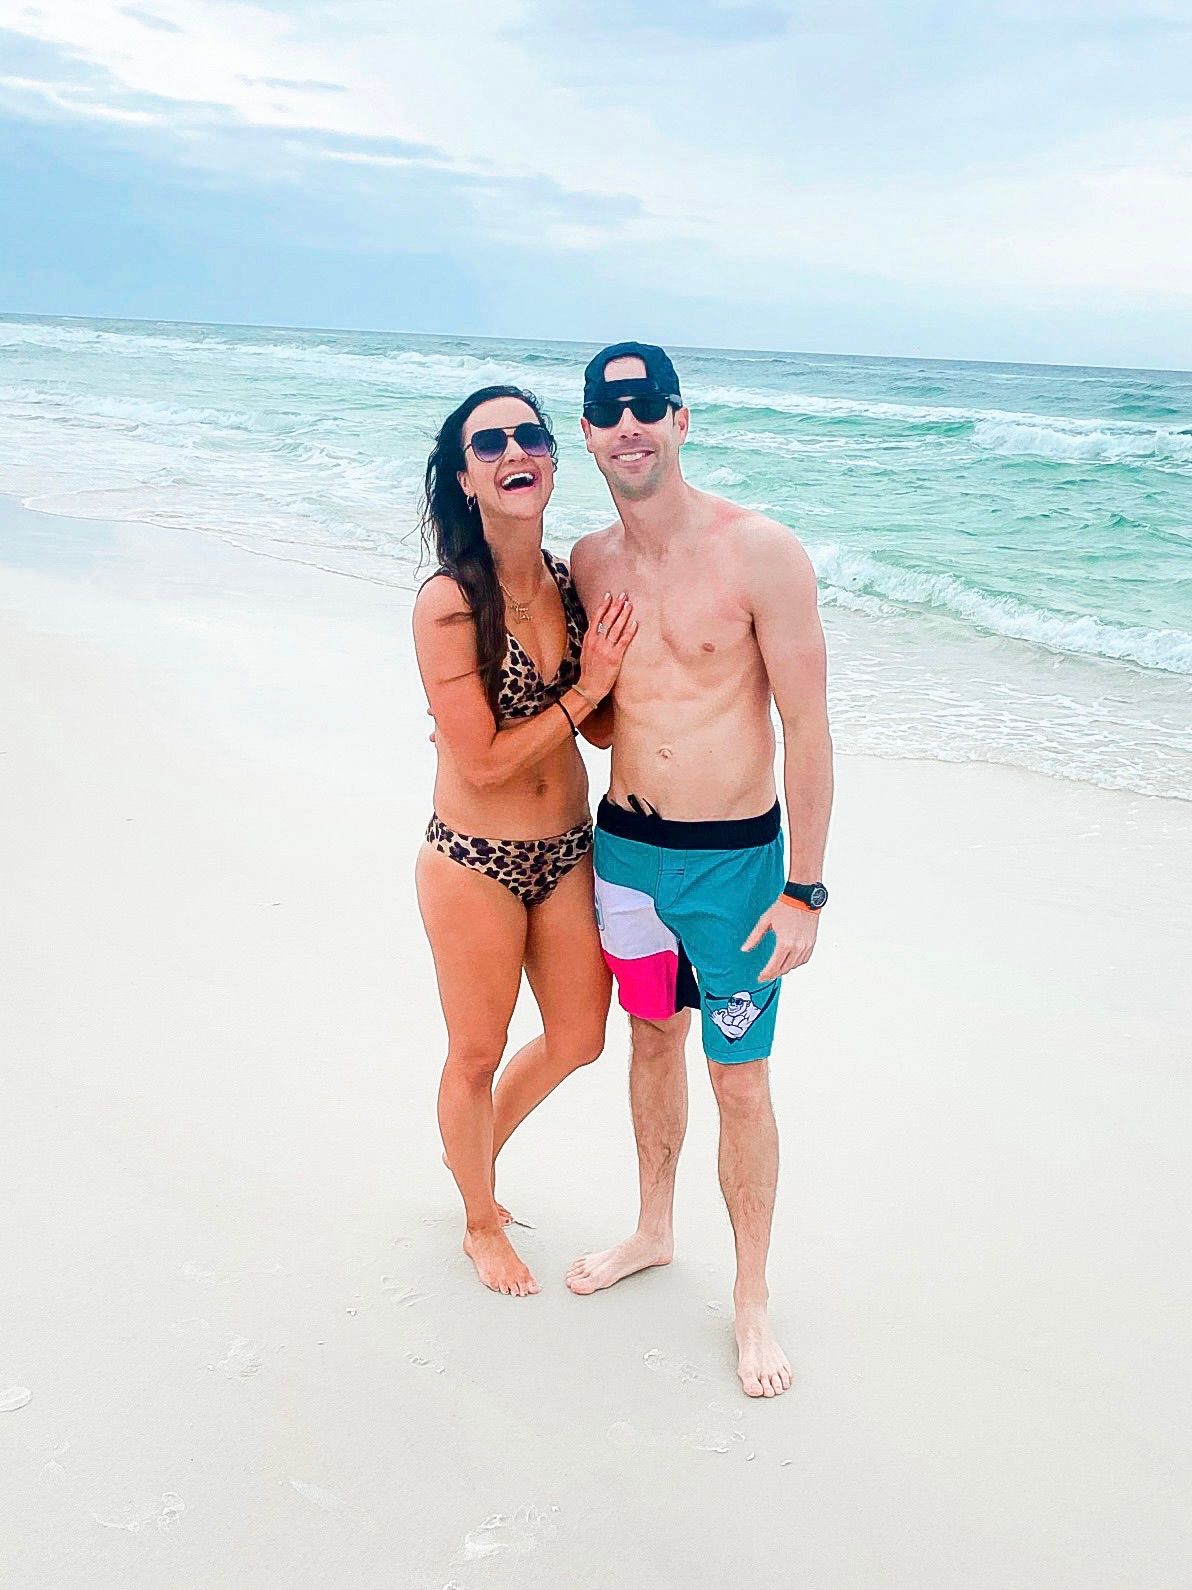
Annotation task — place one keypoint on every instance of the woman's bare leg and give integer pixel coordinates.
(477, 933)
(572, 986)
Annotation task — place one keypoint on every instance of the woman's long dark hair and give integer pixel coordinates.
(453, 534)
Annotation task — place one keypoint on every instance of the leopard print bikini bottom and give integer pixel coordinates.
(531, 869)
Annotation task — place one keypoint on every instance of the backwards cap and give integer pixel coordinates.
(660, 378)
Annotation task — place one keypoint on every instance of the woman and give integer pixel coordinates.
(510, 675)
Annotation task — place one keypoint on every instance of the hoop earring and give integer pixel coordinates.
(471, 502)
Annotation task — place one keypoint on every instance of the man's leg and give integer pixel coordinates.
(658, 1099)
(749, 1181)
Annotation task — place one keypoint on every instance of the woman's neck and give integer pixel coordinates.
(518, 558)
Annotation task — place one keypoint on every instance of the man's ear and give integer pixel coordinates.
(586, 427)
(682, 424)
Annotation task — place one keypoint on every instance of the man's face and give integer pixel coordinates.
(634, 458)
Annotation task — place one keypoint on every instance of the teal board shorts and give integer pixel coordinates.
(674, 904)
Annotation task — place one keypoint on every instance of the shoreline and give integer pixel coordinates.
(235, 1282)
(847, 634)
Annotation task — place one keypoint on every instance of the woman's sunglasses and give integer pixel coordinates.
(490, 444)
(645, 410)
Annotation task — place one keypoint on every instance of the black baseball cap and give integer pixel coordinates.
(660, 379)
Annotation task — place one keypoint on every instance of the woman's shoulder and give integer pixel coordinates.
(440, 600)
(440, 590)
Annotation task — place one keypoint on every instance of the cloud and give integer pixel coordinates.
(1003, 151)
(305, 86)
(694, 23)
(148, 20)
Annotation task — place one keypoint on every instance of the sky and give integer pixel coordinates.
(989, 181)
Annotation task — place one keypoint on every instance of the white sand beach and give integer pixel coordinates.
(230, 1276)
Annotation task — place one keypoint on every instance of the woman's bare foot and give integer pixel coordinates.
(594, 1271)
(497, 1264)
(761, 1364)
(503, 1214)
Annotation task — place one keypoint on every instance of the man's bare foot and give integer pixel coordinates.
(497, 1265)
(503, 1214)
(594, 1271)
(761, 1364)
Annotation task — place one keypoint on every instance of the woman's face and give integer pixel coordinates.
(517, 485)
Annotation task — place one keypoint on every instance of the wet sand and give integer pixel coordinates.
(253, 1353)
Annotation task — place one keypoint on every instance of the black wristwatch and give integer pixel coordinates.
(813, 896)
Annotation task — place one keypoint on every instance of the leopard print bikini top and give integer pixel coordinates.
(524, 693)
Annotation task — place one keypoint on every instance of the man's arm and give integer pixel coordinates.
(782, 595)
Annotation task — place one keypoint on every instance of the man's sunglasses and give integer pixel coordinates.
(490, 444)
(645, 410)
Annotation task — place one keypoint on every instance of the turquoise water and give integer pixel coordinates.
(1004, 551)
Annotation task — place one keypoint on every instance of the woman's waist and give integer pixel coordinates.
(549, 802)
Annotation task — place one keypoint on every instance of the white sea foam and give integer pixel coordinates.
(724, 476)
(861, 576)
(1083, 442)
(134, 411)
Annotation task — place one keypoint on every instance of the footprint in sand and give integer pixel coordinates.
(420, 1361)
(717, 1430)
(526, 1530)
(241, 1361)
(315, 1493)
(673, 1368)
(14, 1397)
(399, 1295)
(135, 1519)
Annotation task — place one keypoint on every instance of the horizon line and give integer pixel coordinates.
(479, 336)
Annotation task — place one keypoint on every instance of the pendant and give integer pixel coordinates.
(521, 612)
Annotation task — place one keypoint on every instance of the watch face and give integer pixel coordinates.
(819, 897)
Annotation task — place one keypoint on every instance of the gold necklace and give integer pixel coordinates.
(521, 610)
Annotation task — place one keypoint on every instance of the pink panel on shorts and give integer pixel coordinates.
(646, 985)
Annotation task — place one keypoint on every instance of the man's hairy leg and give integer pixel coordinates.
(658, 1099)
(749, 1181)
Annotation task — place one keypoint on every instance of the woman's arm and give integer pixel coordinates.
(597, 727)
(445, 643)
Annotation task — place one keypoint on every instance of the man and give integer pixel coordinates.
(696, 907)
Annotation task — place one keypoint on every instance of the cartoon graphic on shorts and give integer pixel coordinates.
(734, 1014)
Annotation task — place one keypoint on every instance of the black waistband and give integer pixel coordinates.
(737, 833)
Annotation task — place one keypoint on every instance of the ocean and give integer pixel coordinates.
(1004, 551)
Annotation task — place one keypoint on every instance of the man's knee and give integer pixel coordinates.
(743, 1088)
(659, 1040)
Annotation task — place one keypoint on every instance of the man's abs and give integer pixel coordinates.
(694, 754)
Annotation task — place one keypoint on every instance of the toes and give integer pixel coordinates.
(750, 1384)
